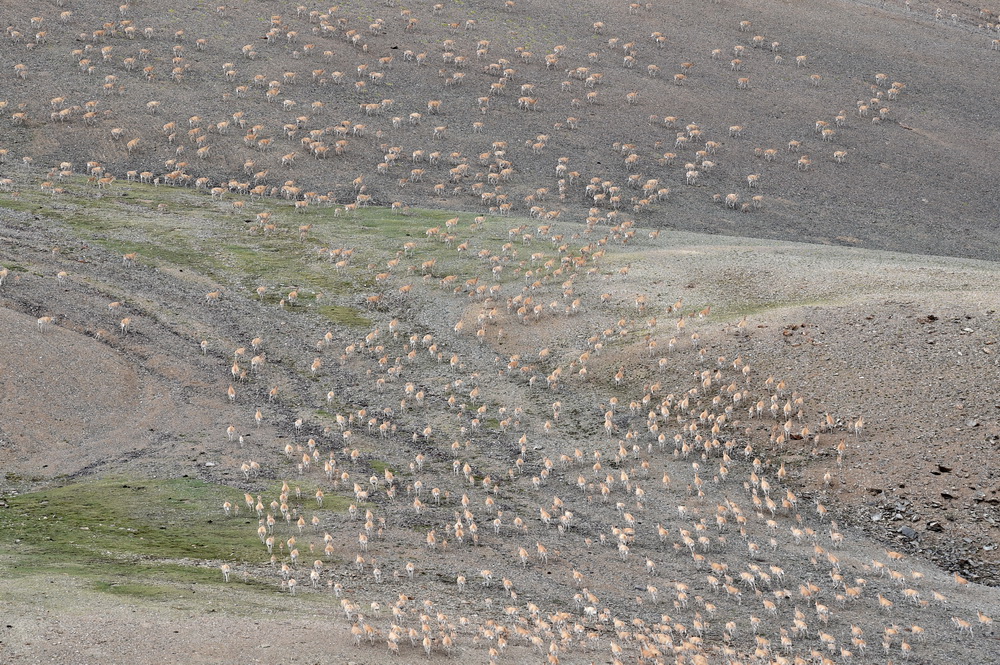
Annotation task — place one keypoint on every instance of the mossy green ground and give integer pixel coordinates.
(155, 537)
(199, 234)
(130, 535)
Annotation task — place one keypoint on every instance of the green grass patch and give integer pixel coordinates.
(139, 590)
(379, 467)
(160, 582)
(344, 316)
(168, 249)
(18, 203)
(148, 538)
(210, 241)
(119, 519)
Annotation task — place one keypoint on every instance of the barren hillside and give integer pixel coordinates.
(861, 122)
(518, 391)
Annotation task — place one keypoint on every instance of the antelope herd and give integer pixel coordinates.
(674, 475)
(629, 491)
(316, 121)
(560, 457)
(561, 477)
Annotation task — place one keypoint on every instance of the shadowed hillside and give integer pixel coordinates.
(859, 122)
